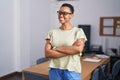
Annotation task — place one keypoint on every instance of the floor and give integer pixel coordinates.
(14, 76)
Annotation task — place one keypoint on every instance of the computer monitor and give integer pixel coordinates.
(87, 31)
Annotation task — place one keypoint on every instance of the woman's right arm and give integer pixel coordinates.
(51, 53)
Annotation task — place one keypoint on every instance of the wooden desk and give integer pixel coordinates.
(87, 68)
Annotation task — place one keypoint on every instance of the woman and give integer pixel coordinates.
(64, 46)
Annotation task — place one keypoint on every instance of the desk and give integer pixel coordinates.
(87, 68)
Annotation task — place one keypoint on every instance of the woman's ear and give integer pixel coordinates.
(71, 16)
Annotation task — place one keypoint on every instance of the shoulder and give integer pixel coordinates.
(53, 30)
(78, 29)
(50, 33)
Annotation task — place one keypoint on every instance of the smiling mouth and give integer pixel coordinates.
(61, 19)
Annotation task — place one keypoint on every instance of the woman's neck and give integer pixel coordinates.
(66, 26)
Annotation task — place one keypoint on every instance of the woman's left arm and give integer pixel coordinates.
(76, 48)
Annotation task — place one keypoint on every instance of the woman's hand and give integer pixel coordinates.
(51, 52)
(76, 48)
(78, 42)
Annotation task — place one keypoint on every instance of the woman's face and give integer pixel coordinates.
(64, 15)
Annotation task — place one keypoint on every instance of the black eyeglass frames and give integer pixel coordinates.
(63, 13)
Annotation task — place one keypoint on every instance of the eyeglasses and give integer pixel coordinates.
(63, 13)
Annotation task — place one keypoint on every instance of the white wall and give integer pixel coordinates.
(25, 23)
(35, 23)
(90, 13)
(6, 36)
(25, 31)
(23, 26)
(40, 24)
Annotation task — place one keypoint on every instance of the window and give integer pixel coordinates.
(109, 26)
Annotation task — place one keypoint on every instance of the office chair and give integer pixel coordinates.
(103, 72)
(95, 74)
(43, 59)
(115, 71)
(100, 73)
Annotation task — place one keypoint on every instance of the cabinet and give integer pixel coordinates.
(109, 26)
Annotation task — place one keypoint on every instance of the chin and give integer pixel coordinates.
(61, 22)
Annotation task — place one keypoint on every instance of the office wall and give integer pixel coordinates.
(35, 23)
(24, 24)
(6, 36)
(40, 24)
(91, 11)
(25, 34)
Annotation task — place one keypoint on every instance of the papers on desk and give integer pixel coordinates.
(102, 56)
(91, 60)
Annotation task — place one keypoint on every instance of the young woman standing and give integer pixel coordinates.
(64, 47)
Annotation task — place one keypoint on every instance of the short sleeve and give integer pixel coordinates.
(49, 35)
(81, 34)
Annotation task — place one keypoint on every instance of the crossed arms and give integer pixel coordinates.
(76, 48)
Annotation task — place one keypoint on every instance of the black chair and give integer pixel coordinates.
(103, 70)
(115, 71)
(100, 73)
(43, 59)
(95, 74)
